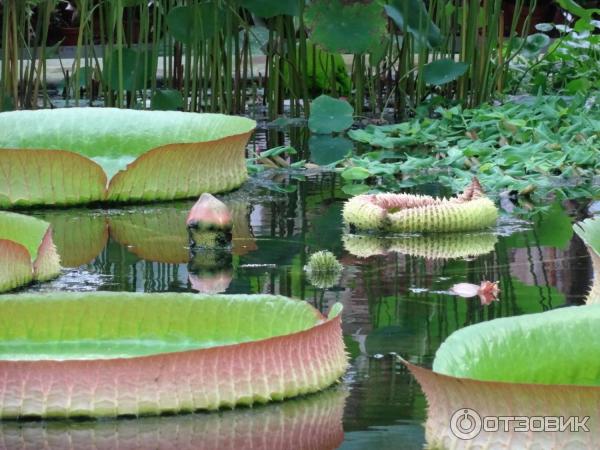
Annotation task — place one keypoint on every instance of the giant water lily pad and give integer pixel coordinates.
(27, 252)
(66, 156)
(543, 365)
(111, 354)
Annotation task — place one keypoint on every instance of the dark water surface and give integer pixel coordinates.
(394, 292)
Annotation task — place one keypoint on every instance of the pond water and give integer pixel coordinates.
(394, 292)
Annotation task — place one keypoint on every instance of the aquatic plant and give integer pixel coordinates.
(471, 210)
(429, 246)
(27, 252)
(64, 157)
(110, 354)
(542, 364)
(537, 147)
(487, 291)
(209, 223)
(323, 269)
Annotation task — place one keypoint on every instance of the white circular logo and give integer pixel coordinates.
(465, 423)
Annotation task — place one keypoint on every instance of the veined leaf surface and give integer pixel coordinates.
(28, 252)
(110, 354)
(63, 157)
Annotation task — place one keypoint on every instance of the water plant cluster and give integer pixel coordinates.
(495, 109)
(141, 54)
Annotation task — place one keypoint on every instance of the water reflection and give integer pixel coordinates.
(312, 422)
(396, 292)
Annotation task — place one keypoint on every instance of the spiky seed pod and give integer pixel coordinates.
(323, 269)
(438, 246)
(405, 213)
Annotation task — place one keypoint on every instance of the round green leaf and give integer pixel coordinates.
(330, 115)
(443, 71)
(345, 27)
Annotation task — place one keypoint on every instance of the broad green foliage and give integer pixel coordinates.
(270, 8)
(330, 115)
(443, 71)
(542, 146)
(569, 64)
(205, 153)
(346, 27)
(554, 347)
(140, 349)
(189, 24)
(412, 16)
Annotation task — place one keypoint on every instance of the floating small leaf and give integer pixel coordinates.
(330, 115)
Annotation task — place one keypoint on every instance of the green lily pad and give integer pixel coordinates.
(64, 156)
(330, 115)
(139, 349)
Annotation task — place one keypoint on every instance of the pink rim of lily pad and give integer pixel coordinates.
(101, 354)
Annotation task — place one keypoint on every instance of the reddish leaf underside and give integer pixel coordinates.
(446, 395)
(183, 171)
(49, 177)
(15, 265)
(205, 378)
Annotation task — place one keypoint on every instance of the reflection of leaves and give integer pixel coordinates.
(326, 150)
(552, 228)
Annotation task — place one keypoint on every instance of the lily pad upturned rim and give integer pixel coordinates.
(305, 357)
(148, 155)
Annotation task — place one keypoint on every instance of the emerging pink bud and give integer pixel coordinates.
(209, 213)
